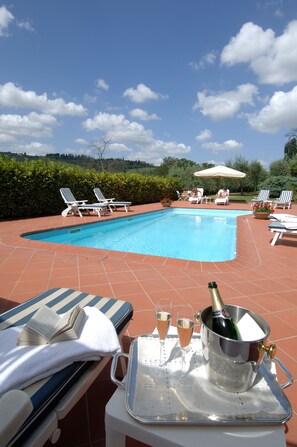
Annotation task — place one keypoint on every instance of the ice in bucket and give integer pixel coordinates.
(248, 329)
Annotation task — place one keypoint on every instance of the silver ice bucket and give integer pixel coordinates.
(232, 365)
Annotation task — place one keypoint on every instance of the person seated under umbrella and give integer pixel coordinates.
(195, 196)
(222, 196)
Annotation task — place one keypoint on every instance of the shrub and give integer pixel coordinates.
(276, 184)
(31, 188)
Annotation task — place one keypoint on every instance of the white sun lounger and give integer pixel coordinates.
(284, 200)
(262, 196)
(111, 203)
(282, 228)
(76, 206)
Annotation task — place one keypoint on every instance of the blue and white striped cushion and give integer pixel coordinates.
(46, 393)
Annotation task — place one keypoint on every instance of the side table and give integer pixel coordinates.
(206, 200)
(119, 424)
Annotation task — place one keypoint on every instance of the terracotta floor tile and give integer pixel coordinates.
(288, 316)
(125, 289)
(271, 303)
(281, 330)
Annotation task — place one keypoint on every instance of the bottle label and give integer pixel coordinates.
(222, 313)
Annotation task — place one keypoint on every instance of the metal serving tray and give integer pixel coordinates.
(157, 395)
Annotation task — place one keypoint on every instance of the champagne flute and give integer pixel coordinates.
(185, 328)
(163, 310)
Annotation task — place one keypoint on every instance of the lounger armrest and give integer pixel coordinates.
(15, 407)
(78, 202)
(110, 200)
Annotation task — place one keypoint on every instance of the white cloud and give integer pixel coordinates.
(225, 104)
(280, 112)
(141, 94)
(31, 125)
(13, 96)
(135, 137)
(228, 145)
(102, 84)
(205, 134)
(25, 24)
(118, 147)
(33, 148)
(207, 59)
(81, 141)
(273, 59)
(5, 18)
(143, 115)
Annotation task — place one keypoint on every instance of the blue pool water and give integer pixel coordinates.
(198, 235)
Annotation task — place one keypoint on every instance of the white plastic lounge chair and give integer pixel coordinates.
(282, 228)
(199, 198)
(54, 397)
(111, 203)
(76, 206)
(262, 196)
(179, 196)
(222, 200)
(284, 200)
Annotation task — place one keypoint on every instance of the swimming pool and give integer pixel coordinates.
(197, 235)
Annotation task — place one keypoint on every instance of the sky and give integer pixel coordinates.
(203, 80)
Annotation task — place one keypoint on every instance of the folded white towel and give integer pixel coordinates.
(283, 217)
(290, 225)
(20, 366)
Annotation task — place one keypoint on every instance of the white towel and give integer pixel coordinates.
(290, 225)
(20, 366)
(283, 217)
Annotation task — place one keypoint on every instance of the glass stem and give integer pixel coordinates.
(162, 357)
(184, 369)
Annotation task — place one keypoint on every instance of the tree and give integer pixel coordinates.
(291, 145)
(279, 168)
(166, 164)
(240, 164)
(293, 167)
(101, 146)
(256, 173)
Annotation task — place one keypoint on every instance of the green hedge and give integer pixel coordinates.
(31, 188)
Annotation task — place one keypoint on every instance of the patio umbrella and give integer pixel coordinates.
(220, 171)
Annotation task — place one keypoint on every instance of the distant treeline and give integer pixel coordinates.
(85, 162)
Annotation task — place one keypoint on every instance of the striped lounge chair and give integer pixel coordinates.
(284, 200)
(53, 398)
(262, 196)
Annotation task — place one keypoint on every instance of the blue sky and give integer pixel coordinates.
(203, 80)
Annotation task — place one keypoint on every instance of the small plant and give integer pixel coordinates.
(263, 208)
(166, 201)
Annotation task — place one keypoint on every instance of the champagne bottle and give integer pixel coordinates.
(222, 322)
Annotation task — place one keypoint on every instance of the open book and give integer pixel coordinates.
(46, 326)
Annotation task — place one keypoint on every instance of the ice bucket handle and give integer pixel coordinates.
(286, 371)
(113, 368)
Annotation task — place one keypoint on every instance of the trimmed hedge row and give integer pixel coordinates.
(31, 188)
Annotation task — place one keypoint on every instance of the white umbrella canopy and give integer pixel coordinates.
(220, 171)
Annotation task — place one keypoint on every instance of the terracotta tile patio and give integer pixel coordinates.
(261, 278)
